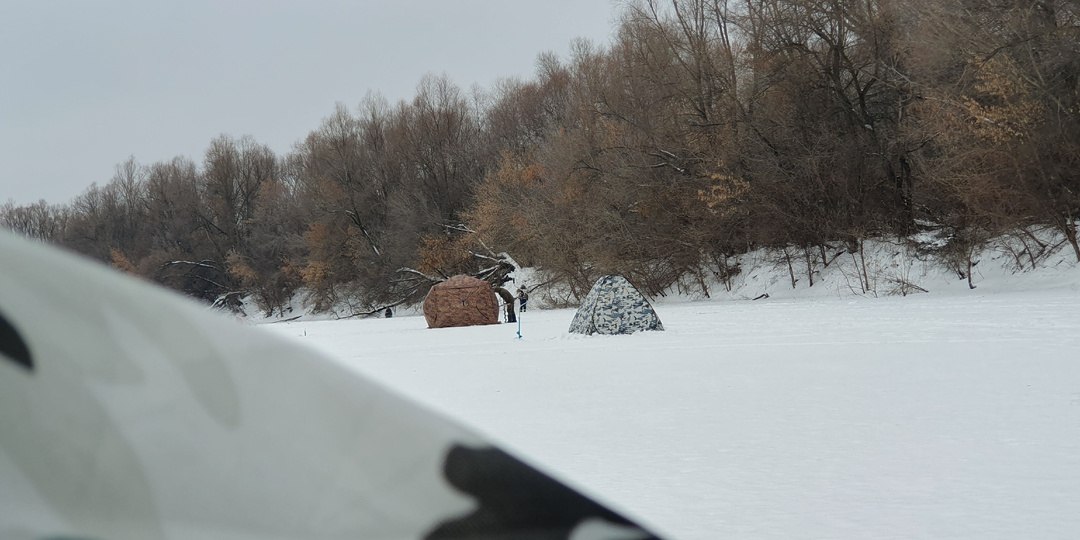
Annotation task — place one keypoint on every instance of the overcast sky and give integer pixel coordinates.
(84, 85)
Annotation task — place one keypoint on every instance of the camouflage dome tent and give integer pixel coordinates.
(614, 306)
(461, 301)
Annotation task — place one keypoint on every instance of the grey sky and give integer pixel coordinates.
(85, 84)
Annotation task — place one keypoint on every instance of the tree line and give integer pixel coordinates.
(704, 129)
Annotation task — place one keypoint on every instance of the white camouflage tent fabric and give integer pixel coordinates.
(614, 306)
(130, 413)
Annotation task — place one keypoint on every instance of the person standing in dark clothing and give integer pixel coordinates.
(523, 298)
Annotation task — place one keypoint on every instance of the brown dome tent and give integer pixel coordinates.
(461, 301)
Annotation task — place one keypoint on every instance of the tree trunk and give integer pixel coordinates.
(508, 300)
(971, 284)
(865, 273)
(791, 269)
(1070, 234)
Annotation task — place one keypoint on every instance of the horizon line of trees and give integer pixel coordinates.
(703, 130)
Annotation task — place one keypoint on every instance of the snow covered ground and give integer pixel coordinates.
(954, 414)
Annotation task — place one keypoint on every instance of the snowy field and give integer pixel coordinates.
(951, 415)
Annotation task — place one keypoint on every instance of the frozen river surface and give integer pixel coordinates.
(917, 417)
